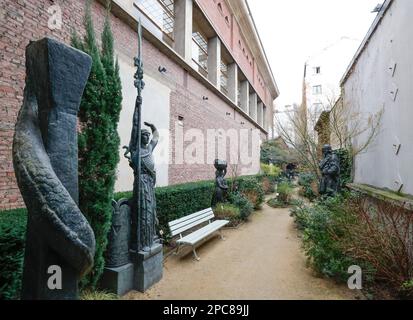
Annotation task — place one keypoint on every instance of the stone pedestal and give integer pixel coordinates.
(118, 280)
(148, 267)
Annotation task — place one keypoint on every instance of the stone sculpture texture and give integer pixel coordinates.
(330, 172)
(45, 162)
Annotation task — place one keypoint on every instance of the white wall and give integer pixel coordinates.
(369, 88)
(156, 104)
(333, 61)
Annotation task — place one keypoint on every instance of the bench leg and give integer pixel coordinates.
(222, 236)
(195, 255)
(177, 250)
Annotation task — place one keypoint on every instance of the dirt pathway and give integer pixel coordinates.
(261, 260)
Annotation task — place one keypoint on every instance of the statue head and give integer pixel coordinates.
(145, 137)
(327, 149)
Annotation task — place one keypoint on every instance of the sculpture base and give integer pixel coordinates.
(148, 267)
(118, 280)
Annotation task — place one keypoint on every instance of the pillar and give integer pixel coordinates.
(183, 29)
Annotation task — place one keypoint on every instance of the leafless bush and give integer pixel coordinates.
(383, 237)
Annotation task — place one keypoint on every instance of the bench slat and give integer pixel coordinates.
(191, 216)
(191, 225)
(202, 233)
(190, 221)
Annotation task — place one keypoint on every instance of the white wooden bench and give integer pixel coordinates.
(178, 227)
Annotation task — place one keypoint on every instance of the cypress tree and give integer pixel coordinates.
(98, 139)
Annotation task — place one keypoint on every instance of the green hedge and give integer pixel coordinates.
(12, 241)
(173, 202)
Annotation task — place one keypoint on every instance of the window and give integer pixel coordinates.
(224, 77)
(317, 90)
(200, 51)
(317, 70)
(161, 13)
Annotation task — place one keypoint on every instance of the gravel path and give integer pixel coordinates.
(261, 260)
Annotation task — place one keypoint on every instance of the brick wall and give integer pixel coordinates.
(23, 21)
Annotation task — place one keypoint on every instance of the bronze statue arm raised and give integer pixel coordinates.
(155, 136)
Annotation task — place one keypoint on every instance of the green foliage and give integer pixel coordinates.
(306, 181)
(251, 188)
(240, 201)
(12, 242)
(271, 170)
(271, 152)
(98, 140)
(276, 203)
(285, 192)
(227, 211)
(346, 165)
(173, 202)
(97, 295)
(325, 228)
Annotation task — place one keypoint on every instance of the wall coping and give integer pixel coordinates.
(401, 200)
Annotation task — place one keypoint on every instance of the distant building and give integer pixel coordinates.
(205, 69)
(322, 74)
(379, 81)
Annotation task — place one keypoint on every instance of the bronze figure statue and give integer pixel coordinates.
(221, 186)
(330, 172)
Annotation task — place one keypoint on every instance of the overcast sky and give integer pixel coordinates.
(293, 30)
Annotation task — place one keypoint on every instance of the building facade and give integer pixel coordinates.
(322, 74)
(378, 82)
(209, 87)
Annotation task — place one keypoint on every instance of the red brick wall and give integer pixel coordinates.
(23, 21)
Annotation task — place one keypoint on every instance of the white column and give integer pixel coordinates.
(253, 105)
(214, 61)
(233, 82)
(245, 95)
(183, 29)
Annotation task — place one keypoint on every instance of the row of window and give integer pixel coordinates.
(162, 14)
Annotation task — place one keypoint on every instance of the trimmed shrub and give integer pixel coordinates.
(240, 201)
(12, 242)
(251, 188)
(227, 211)
(276, 203)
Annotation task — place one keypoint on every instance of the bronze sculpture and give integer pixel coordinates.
(330, 172)
(144, 183)
(221, 186)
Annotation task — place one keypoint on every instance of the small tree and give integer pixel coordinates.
(343, 126)
(98, 138)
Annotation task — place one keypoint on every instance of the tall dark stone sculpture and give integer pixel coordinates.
(45, 158)
(221, 186)
(330, 172)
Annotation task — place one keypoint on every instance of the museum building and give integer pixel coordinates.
(205, 69)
